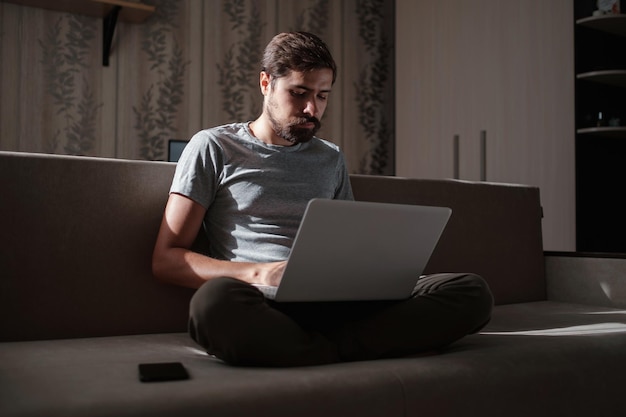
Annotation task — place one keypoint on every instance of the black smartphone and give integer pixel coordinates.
(164, 371)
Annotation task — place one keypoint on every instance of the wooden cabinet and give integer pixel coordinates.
(600, 43)
(498, 77)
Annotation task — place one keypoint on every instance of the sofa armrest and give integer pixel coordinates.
(594, 279)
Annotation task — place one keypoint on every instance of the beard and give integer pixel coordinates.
(291, 130)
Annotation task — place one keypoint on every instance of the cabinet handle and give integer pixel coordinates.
(483, 155)
(455, 153)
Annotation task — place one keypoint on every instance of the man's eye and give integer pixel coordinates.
(321, 97)
(297, 93)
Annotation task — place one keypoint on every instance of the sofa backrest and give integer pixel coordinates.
(76, 246)
(494, 230)
(78, 233)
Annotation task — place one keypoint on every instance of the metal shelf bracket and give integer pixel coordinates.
(108, 29)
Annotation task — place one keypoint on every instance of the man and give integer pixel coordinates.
(247, 185)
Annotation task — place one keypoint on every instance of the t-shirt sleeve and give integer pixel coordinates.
(344, 188)
(197, 170)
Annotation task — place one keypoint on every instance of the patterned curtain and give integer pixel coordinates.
(192, 64)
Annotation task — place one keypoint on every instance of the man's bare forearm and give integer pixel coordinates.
(186, 268)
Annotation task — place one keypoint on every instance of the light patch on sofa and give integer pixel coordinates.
(607, 312)
(614, 289)
(195, 351)
(588, 329)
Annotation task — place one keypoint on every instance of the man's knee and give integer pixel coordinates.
(218, 296)
(481, 303)
(466, 293)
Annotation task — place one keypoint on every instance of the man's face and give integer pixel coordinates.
(295, 103)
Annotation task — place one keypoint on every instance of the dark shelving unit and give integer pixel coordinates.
(600, 66)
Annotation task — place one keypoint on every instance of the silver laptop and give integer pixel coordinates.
(354, 250)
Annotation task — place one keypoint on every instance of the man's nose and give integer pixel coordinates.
(310, 108)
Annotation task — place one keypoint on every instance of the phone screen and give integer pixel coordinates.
(164, 371)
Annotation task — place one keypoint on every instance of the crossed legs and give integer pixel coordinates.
(235, 322)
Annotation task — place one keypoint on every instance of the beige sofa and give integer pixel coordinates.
(79, 310)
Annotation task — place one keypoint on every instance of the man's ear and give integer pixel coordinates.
(265, 82)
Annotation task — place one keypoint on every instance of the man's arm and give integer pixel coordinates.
(175, 263)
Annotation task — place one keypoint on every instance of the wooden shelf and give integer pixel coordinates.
(610, 77)
(615, 24)
(108, 10)
(132, 12)
(617, 132)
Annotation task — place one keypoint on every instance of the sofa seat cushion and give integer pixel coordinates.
(533, 359)
(539, 359)
(99, 377)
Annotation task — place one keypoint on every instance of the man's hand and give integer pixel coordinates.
(271, 273)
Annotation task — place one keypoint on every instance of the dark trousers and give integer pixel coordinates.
(235, 322)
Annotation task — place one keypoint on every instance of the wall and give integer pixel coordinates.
(193, 64)
(465, 67)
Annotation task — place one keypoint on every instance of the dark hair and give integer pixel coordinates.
(296, 51)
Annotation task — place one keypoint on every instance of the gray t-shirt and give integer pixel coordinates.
(255, 194)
